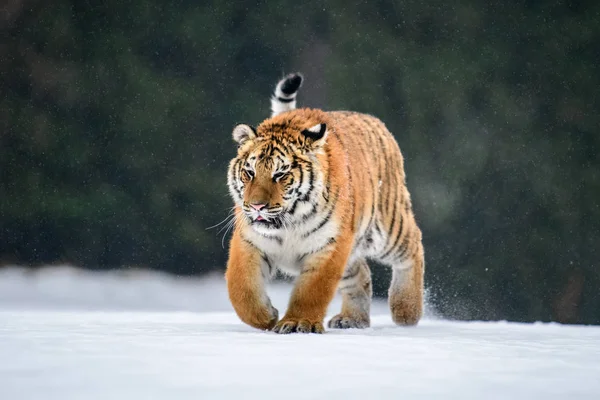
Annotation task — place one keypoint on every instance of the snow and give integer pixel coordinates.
(70, 334)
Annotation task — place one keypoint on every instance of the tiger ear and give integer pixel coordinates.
(317, 134)
(243, 132)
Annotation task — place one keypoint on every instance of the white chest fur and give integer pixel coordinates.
(287, 248)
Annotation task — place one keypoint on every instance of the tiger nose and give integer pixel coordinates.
(258, 207)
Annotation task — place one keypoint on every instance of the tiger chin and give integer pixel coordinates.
(317, 194)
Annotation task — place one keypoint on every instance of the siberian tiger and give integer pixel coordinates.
(317, 193)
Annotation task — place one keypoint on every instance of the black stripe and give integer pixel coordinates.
(390, 186)
(385, 172)
(351, 186)
(392, 223)
(321, 224)
(354, 274)
(287, 147)
(393, 247)
(404, 247)
(238, 191)
(378, 229)
(236, 178)
(384, 187)
(301, 180)
(374, 181)
(314, 212)
(293, 208)
(311, 213)
(278, 150)
(296, 190)
(328, 180)
(309, 270)
(281, 99)
(249, 242)
(287, 197)
(372, 215)
(330, 241)
(235, 170)
(349, 286)
(268, 264)
(274, 237)
(311, 181)
(296, 179)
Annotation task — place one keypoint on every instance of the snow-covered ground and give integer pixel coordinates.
(70, 334)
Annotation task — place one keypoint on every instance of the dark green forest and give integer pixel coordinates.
(116, 122)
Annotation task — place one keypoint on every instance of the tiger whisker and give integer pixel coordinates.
(227, 218)
(230, 225)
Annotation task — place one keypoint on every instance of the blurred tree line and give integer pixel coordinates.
(116, 120)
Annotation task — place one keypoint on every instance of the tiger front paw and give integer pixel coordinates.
(266, 319)
(263, 317)
(292, 325)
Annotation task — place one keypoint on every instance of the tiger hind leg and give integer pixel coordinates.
(406, 290)
(356, 290)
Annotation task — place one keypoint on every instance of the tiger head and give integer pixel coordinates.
(278, 165)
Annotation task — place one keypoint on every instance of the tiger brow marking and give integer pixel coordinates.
(276, 151)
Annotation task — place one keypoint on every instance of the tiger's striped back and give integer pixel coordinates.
(384, 221)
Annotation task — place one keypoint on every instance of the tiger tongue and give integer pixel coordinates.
(259, 218)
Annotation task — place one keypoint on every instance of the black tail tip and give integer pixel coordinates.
(292, 83)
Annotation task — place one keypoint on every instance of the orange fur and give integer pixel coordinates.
(246, 287)
(363, 184)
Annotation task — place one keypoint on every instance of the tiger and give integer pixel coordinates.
(315, 195)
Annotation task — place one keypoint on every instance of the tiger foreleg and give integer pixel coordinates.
(246, 285)
(314, 290)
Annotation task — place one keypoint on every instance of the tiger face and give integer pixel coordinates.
(276, 168)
